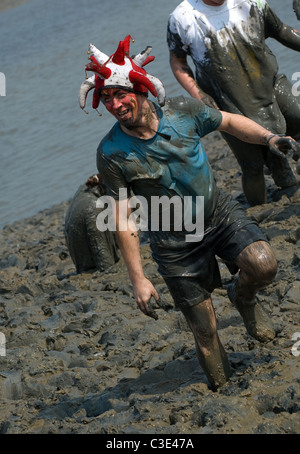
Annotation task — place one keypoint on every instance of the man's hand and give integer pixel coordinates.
(143, 291)
(282, 146)
(208, 100)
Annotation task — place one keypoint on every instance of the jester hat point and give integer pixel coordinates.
(119, 70)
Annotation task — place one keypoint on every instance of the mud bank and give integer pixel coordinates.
(81, 358)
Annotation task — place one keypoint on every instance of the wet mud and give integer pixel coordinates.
(79, 357)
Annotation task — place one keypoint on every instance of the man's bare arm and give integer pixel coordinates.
(184, 74)
(289, 37)
(248, 131)
(129, 244)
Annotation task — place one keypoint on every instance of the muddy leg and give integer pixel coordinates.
(211, 354)
(258, 268)
(254, 188)
(251, 160)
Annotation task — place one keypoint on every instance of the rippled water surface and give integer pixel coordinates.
(47, 144)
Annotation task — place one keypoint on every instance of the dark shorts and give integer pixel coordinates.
(191, 272)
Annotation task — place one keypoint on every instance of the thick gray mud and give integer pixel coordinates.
(81, 358)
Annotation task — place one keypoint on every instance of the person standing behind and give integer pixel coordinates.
(235, 71)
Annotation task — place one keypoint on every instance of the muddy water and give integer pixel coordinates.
(47, 144)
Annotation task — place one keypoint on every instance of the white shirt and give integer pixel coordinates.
(193, 20)
(232, 61)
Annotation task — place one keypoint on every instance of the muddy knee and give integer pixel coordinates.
(257, 263)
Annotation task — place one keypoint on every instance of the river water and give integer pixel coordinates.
(47, 144)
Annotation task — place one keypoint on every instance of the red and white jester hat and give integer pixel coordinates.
(119, 70)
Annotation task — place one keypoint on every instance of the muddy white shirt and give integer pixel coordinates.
(232, 61)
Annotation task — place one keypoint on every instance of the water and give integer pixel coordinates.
(47, 144)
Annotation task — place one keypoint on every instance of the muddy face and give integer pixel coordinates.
(123, 105)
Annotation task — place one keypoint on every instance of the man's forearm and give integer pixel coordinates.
(243, 128)
(289, 37)
(248, 131)
(184, 76)
(129, 244)
(128, 240)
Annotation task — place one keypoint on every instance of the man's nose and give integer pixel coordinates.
(115, 103)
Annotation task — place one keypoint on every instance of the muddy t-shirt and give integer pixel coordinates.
(232, 61)
(172, 163)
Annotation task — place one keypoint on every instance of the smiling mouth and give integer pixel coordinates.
(123, 113)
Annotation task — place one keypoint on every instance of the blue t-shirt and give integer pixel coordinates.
(161, 167)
